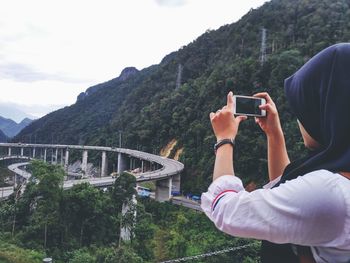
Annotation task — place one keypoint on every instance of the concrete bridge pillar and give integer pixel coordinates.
(133, 164)
(66, 160)
(22, 151)
(85, 161)
(163, 190)
(45, 152)
(61, 157)
(142, 166)
(9, 151)
(176, 182)
(33, 152)
(122, 163)
(56, 156)
(104, 164)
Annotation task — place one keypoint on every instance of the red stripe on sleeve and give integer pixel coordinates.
(220, 194)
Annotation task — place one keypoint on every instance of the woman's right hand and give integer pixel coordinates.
(271, 123)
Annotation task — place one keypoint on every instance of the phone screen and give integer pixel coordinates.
(248, 106)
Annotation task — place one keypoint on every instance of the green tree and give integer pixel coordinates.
(81, 206)
(82, 256)
(124, 254)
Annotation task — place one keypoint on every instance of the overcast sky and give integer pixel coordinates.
(50, 51)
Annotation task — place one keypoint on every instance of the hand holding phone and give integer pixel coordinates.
(224, 124)
(270, 124)
(248, 106)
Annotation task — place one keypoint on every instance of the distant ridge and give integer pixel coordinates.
(124, 75)
(16, 112)
(3, 137)
(10, 128)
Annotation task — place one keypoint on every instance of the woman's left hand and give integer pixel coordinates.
(224, 124)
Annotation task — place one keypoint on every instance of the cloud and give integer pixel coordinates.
(171, 3)
(24, 73)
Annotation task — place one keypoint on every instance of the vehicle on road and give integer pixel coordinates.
(196, 198)
(143, 191)
(175, 193)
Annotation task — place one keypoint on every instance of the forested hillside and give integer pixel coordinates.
(151, 108)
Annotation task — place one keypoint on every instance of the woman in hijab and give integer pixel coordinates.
(303, 214)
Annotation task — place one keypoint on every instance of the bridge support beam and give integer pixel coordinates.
(176, 182)
(62, 157)
(9, 151)
(142, 166)
(56, 156)
(122, 163)
(45, 152)
(163, 190)
(133, 163)
(22, 150)
(33, 152)
(104, 164)
(85, 161)
(66, 160)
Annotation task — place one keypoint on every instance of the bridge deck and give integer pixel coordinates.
(169, 167)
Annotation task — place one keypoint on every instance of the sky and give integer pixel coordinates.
(51, 51)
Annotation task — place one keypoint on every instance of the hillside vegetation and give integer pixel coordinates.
(82, 225)
(151, 110)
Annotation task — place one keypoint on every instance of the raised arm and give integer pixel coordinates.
(225, 126)
(276, 147)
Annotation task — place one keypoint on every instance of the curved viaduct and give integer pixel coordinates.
(166, 172)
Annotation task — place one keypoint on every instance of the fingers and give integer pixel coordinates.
(241, 118)
(264, 95)
(211, 116)
(229, 103)
(268, 107)
(258, 121)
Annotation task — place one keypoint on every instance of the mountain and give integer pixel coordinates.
(169, 103)
(3, 137)
(10, 128)
(124, 75)
(16, 112)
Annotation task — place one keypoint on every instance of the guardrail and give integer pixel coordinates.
(168, 168)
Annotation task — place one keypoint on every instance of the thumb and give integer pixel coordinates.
(241, 118)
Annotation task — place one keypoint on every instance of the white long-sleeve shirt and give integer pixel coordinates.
(311, 210)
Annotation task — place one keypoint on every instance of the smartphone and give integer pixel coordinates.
(248, 106)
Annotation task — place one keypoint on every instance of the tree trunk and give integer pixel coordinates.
(45, 237)
(81, 234)
(14, 221)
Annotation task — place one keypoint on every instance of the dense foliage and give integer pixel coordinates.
(83, 224)
(151, 111)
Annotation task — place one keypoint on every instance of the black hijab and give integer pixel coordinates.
(319, 95)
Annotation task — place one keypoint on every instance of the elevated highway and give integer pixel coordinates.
(165, 172)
